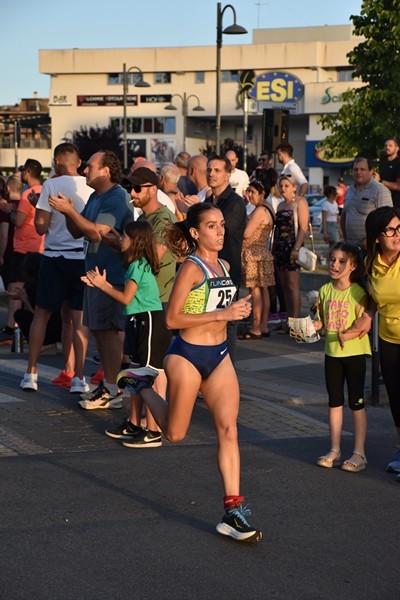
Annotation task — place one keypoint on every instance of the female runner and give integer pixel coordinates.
(200, 307)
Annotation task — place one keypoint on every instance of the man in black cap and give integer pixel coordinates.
(142, 185)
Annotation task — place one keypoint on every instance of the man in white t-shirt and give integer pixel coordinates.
(284, 153)
(239, 180)
(59, 284)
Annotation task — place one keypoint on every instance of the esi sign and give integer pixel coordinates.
(277, 87)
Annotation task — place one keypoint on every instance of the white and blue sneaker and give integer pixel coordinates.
(394, 465)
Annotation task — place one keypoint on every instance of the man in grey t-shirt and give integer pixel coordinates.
(363, 197)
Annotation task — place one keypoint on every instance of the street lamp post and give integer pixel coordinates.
(185, 105)
(139, 83)
(231, 30)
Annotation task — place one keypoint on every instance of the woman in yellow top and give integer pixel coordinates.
(383, 271)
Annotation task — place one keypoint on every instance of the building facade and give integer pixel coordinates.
(301, 70)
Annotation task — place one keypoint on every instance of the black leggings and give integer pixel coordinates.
(351, 369)
(389, 355)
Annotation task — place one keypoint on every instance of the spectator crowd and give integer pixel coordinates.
(150, 263)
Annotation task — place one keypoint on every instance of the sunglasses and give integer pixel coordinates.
(391, 231)
(137, 188)
(257, 182)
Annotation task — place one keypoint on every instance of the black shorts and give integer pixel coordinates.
(14, 267)
(351, 369)
(147, 338)
(59, 280)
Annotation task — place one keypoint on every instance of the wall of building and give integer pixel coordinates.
(314, 57)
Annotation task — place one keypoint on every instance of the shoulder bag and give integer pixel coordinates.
(307, 259)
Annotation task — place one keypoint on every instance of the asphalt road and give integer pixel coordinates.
(83, 518)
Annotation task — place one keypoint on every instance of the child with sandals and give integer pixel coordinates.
(342, 301)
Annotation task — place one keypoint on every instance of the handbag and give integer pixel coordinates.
(307, 259)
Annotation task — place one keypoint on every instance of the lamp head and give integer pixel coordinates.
(234, 30)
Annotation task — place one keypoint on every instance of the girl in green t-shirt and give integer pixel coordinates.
(145, 322)
(341, 302)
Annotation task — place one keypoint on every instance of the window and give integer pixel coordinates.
(117, 78)
(345, 75)
(145, 124)
(162, 77)
(199, 77)
(229, 76)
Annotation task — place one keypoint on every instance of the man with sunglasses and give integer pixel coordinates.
(143, 185)
(364, 196)
(107, 208)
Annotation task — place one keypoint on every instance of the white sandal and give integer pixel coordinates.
(328, 461)
(353, 467)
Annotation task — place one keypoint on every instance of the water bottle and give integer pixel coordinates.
(18, 343)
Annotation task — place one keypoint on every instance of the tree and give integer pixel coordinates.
(92, 139)
(370, 113)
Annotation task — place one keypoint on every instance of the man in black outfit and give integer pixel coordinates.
(233, 208)
(389, 170)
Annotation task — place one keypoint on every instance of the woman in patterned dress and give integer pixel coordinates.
(257, 261)
(287, 242)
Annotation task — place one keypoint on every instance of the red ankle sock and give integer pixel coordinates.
(232, 501)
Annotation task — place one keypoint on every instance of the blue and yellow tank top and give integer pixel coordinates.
(213, 292)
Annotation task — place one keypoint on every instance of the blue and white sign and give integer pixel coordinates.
(277, 87)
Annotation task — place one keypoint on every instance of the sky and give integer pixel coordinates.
(27, 27)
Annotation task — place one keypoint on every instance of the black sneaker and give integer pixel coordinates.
(145, 439)
(100, 398)
(235, 525)
(7, 336)
(96, 393)
(126, 430)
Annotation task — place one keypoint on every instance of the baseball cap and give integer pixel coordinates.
(141, 176)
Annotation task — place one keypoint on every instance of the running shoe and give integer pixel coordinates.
(235, 525)
(97, 392)
(97, 378)
(6, 336)
(79, 386)
(63, 379)
(126, 430)
(136, 380)
(144, 439)
(394, 465)
(100, 399)
(29, 382)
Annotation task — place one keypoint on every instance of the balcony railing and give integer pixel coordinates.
(8, 142)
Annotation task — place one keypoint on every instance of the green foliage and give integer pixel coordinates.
(92, 139)
(370, 113)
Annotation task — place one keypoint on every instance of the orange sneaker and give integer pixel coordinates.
(63, 379)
